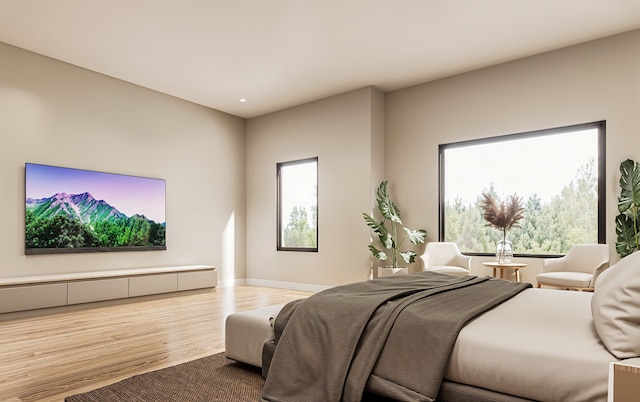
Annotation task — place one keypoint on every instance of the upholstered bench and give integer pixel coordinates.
(246, 332)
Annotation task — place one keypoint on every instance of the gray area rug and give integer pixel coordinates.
(212, 378)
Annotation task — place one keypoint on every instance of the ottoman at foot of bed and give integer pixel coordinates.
(247, 331)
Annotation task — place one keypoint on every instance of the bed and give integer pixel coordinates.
(536, 344)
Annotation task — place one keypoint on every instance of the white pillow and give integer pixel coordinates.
(615, 307)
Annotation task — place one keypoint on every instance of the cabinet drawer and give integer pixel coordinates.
(197, 279)
(152, 284)
(32, 297)
(96, 290)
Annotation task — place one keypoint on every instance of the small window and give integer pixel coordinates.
(559, 174)
(298, 205)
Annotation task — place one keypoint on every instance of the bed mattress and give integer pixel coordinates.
(540, 345)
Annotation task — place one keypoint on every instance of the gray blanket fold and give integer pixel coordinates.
(392, 335)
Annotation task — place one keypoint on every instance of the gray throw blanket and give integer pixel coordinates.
(392, 336)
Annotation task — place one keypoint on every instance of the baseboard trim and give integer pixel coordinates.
(232, 282)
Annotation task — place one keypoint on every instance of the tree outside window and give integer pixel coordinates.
(298, 205)
(558, 173)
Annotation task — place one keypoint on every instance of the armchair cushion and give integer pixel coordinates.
(450, 270)
(616, 310)
(568, 279)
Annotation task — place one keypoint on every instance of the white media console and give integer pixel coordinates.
(34, 292)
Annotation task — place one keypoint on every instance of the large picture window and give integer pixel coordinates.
(298, 205)
(559, 174)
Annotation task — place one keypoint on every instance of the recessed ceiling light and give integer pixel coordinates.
(242, 100)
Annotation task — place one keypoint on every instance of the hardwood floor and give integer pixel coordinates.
(46, 355)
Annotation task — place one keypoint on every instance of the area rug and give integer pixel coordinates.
(212, 378)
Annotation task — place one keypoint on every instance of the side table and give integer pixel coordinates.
(624, 381)
(505, 265)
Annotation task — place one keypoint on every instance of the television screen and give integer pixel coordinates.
(74, 211)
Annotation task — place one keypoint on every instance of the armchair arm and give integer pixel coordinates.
(596, 272)
(554, 264)
(464, 261)
(425, 261)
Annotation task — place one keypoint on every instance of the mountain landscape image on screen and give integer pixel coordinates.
(64, 221)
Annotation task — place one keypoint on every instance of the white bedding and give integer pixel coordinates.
(540, 345)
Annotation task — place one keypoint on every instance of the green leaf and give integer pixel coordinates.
(416, 236)
(387, 208)
(377, 227)
(629, 186)
(628, 222)
(388, 242)
(377, 253)
(627, 237)
(408, 256)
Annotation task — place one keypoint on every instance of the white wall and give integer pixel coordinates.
(594, 81)
(58, 114)
(345, 133)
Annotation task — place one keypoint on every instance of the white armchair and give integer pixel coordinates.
(578, 269)
(446, 258)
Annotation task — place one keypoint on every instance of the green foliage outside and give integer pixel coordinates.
(61, 231)
(552, 227)
(301, 232)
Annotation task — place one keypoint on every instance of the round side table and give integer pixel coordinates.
(505, 265)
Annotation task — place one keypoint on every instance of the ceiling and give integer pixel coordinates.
(281, 53)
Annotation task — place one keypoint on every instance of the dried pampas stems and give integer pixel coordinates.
(503, 216)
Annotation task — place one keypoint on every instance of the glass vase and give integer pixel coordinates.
(504, 251)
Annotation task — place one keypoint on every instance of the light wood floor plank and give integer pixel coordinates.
(48, 354)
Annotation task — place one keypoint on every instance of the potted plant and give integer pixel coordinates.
(503, 217)
(628, 220)
(388, 234)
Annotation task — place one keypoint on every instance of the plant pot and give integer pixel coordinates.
(388, 271)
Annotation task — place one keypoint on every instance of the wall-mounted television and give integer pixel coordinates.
(78, 211)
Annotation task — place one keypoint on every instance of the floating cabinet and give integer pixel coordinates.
(28, 293)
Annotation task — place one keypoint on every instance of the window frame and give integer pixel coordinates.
(279, 231)
(601, 173)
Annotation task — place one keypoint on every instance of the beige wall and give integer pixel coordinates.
(58, 114)
(594, 81)
(345, 133)
(54, 113)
